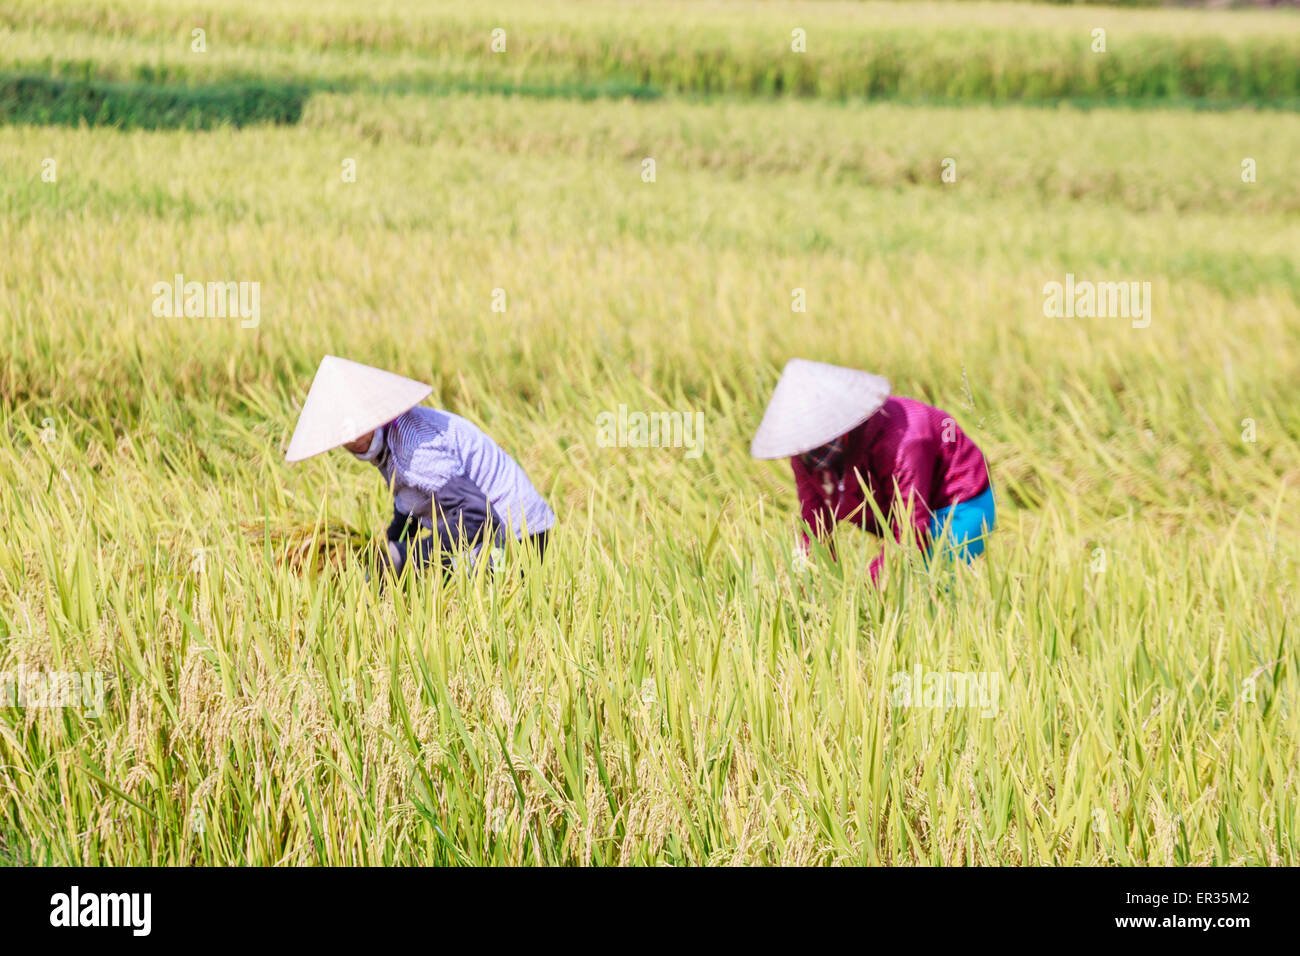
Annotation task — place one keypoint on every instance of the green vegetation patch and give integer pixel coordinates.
(45, 100)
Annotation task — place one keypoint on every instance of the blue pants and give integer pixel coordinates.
(960, 529)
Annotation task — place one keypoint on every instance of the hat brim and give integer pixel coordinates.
(815, 403)
(348, 400)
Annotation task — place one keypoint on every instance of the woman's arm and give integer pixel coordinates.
(813, 507)
(912, 473)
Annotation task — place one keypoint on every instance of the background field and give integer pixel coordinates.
(668, 687)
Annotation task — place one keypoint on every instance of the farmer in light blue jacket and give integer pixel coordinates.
(446, 475)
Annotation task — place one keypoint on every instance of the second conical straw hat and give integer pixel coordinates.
(815, 403)
(348, 399)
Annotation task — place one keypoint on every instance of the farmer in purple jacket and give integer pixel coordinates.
(446, 475)
(847, 439)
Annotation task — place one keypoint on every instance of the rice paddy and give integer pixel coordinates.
(672, 685)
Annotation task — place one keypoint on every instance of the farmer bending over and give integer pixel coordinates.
(446, 475)
(843, 434)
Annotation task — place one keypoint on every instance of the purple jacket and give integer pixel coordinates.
(908, 443)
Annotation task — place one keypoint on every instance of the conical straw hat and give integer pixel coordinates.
(814, 403)
(348, 399)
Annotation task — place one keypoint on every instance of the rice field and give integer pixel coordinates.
(671, 686)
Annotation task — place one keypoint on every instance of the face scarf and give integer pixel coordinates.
(825, 458)
(376, 451)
